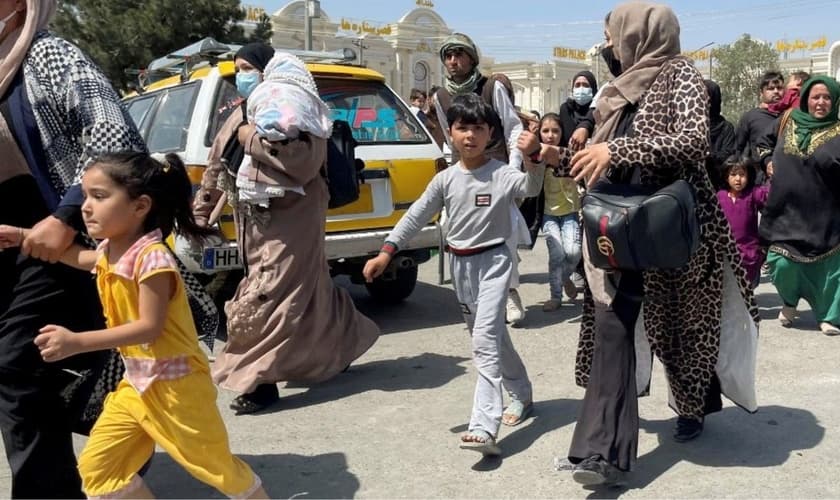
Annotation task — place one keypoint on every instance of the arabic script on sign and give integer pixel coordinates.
(364, 28)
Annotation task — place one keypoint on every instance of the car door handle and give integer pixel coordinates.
(379, 173)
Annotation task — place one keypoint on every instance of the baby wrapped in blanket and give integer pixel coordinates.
(284, 105)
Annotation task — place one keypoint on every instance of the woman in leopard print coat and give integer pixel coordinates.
(700, 320)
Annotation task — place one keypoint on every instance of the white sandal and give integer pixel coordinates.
(787, 315)
(486, 447)
(829, 329)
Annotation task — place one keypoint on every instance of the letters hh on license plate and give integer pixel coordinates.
(221, 258)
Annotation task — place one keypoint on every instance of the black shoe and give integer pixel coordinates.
(259, 399)
(687, 429)
(595, 471)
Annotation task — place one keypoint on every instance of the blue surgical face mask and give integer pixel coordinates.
(582, 95)
(246, 81)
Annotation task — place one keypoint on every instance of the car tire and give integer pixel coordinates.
(396, 290)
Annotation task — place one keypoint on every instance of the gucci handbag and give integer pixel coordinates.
(633, 227)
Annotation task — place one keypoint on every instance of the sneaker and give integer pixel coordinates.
(514, 313)
(551, 305)
(687, 429)
(596, 471)
(571, 289)
(829, 329)
(787, 315)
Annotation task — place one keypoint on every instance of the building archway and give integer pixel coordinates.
(834, 60)
(421, 76)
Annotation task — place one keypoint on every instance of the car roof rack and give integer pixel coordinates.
(208, 51)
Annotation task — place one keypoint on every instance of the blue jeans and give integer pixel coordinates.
(562, 236)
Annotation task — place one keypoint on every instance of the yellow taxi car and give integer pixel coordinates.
(183, 113)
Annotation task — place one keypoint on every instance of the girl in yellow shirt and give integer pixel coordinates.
(560, 221)
(166, 397)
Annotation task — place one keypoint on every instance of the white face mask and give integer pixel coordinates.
(3, 21)
(582, 95)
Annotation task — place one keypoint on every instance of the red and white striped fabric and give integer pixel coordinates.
(142, 372)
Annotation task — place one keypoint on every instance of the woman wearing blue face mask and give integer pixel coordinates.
(250, 62)
(576, 118)
(226, 151)
(287, 321)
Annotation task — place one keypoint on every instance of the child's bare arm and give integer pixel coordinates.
(76, 256)
(376, 266)
(79, 257)
(553, 156)
(56, 342)
(11, 236)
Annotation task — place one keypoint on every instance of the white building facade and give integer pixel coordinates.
(406, 52)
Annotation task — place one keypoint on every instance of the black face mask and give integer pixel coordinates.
(613, 63)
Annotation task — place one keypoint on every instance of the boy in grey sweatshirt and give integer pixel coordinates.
(477, 193)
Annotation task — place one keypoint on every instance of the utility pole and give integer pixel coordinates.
(311, 10)
(360, 42)
(711, 56)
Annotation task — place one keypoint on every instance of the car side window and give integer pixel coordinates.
(138, 109)
(375, 114)
(168, 127)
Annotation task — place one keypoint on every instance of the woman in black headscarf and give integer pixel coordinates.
(576, 118)
(721, 136)
(226, 151)
(287, 321)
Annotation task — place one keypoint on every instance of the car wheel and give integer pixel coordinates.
(395, 290)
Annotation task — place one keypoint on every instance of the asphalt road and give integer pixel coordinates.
(389, 427)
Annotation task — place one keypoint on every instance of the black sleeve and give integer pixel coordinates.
(767, 142)
(588, 121)
(70, 215)
(742, 134)
(727, 141)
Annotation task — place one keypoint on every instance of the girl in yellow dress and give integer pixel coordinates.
(167, 398)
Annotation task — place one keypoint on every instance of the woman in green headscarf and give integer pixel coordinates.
(800, 221)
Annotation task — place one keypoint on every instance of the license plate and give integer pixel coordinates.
(221, 258)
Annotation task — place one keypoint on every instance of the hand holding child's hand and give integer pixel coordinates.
(588, 164)
(550, 155)
(578, 139)
(376, 266)
(10, 236)
(527, 142)
(56, 343)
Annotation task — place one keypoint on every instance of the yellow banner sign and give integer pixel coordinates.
(364, 27)
(699, 55)
(253, 14)
(785, 46)
(567, 53)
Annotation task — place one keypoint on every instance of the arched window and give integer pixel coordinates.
(421, 76)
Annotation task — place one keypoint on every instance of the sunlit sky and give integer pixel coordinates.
(527, 31)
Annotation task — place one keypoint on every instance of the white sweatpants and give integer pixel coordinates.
(481, 284)
(518, 236)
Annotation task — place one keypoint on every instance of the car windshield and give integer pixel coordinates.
(375, 114)
(163, 117)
